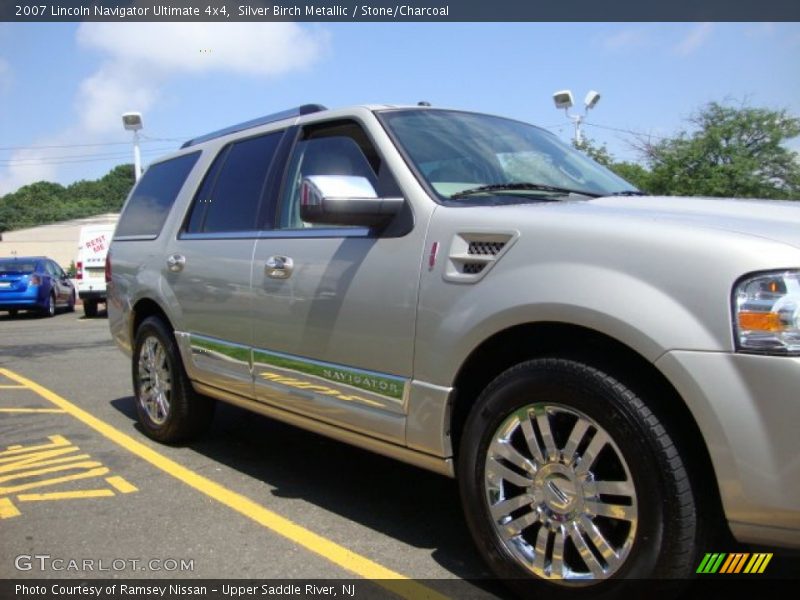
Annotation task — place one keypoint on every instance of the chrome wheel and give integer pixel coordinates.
(560, 494)
(155, 380)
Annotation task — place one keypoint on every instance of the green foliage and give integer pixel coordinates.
(597, 153)
(631, 172)
(635, 174)
(735, 152)
(44, 202)
(731, 152)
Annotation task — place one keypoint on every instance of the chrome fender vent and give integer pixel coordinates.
(473, 254)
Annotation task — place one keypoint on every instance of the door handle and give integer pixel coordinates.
(176, 262)
(279, 267)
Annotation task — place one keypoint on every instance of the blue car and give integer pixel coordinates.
(34, 283)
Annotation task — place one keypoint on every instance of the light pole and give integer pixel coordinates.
(132, 121)
(563, 99)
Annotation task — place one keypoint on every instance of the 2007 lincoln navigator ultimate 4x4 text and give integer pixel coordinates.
(607, 374)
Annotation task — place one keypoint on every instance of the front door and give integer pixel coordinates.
(335, 306)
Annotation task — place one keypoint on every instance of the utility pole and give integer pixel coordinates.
(132, 121)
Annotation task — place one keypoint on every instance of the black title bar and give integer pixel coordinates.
(399, 10)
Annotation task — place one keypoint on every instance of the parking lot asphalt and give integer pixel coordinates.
(254, 498)
(85, 495)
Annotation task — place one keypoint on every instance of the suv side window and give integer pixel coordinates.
(153, 197)
(340, 148)
(229, 198)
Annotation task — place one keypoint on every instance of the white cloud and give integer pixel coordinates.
(111, 91)
(141, 57)
(265, 49)
(694, 39)
(5, 76)
(138, 61)
(27, 167)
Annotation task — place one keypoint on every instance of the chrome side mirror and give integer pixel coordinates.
(345, 200)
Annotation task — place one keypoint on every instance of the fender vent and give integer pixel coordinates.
(485, 248)
(473, 254)
(473, 268)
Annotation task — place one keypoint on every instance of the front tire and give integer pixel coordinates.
(168, 408)
(567, 477)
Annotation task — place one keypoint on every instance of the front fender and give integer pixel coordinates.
(455, 319)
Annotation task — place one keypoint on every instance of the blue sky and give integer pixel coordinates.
(66, 84)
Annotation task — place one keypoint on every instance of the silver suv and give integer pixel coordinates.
(612, 378)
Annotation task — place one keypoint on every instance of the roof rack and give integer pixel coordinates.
(305, 109)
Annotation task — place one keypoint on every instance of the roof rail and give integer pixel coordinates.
(305, 109)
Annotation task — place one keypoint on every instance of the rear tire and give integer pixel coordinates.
(568, 479)
(71, 303)
(168, 408)
(49, 309)
(90, 308)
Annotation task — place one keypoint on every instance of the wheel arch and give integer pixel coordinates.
(144, 308)
(524, 342)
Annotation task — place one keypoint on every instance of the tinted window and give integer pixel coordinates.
(154, 195)
(198, 211)
(53, 269)
(229, 198)
(16, 266)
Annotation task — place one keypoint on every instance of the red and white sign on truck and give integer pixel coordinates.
(91, 264)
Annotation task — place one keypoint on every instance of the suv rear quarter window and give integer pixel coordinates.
(153, 197)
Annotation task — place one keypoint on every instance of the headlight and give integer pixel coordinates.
(767, 313)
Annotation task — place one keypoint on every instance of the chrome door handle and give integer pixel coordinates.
(176, 262)
(279, 267)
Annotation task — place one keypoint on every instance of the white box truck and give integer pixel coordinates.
(91, 265)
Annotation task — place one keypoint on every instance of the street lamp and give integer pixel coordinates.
(132, 121)
(563, 99)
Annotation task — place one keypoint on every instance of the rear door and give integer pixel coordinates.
(208, 267)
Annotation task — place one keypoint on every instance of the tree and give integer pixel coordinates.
(44, 202)
(736, 152)
(633, 173)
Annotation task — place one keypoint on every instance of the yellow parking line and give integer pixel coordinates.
(121, 484)
(7, 509)
(32, 410)
(65, 495)
(337, 554)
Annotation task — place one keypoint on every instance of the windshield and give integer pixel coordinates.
(16, 266)
(457, 152)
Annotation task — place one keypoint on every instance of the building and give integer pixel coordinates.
(59, 241)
